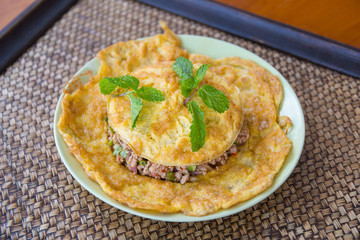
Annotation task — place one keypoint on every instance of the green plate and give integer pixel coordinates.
(215, 49)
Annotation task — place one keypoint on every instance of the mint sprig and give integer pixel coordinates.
(109, 85)
(212, 97)
(184, 69)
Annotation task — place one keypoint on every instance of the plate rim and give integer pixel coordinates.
(180, 217)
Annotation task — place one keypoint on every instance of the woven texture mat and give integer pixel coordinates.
(40, 199)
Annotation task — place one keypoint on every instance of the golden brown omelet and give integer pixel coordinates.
(162, 132)
(245, 175)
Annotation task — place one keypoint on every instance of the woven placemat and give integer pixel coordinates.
(40, 199)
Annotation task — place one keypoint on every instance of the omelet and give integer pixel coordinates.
(161, 134)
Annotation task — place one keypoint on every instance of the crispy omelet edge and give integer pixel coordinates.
(198, 208)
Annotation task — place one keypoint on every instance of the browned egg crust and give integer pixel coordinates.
(245, 175)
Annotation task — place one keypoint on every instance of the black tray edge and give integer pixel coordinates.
(317, 49)
(25, 29)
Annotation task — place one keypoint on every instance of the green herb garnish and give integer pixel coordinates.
(142, 162)
(191, 168)
(150, 94)
(117, 150)
(212, 97)
(110, 143)
(106, 119)
(109, 85)
(121, 151)
(197, 128)
(136, 106)
(170, 176)
(111, 130)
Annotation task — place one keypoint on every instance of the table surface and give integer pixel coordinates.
(10, 9)
(336, 19)
(40, 199)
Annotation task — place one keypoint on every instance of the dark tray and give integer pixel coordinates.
(314, 48)
(16, 37)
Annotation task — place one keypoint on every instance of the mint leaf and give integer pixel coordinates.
(106, 86)
(214, 99)
(185, 91)
(200, 73)
(126, 82)
(130, 81)
(197, 128)
(183, 67)
(150, 94)
(177, 69)
(136, 106)
(187, 82)
(187, 85)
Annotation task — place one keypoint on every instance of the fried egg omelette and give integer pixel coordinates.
(162, 130)
(161, 134)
